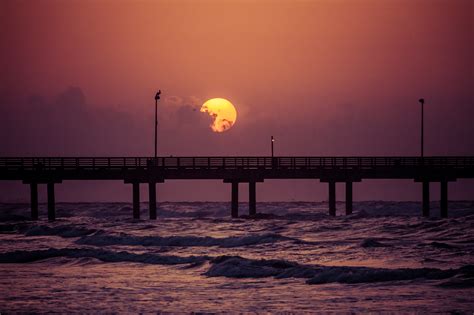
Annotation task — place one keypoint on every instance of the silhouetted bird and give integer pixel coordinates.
(157, 96)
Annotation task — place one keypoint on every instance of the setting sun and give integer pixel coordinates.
(223, 113)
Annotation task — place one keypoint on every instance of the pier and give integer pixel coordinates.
(235, 171)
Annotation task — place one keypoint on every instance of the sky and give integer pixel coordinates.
(324, 77)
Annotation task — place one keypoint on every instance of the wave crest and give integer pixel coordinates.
(103, 239)
(238, 267)
(65, 231)
(100, 254)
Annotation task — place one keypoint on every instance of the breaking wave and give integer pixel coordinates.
(103, 239)
(100, 254)
(238, 267)
(62, 230)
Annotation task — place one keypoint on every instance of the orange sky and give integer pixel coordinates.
(248, 51)
(324, 77)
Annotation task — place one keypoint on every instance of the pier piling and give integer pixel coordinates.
(51, 202)
(426, 199)
(444, 199)
(235, 200)
(136, 200)
(34, 200)
(348, 197)
(332, 198)
(252, 198)
(152, 199)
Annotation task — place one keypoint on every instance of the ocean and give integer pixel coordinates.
(195, 258)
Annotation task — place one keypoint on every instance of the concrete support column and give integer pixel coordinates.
(152, 199)
(252, 198)
(348, 198)
(426, 199)
(332, 198)
(444, 199)
(136, 200)
(34, 200)
(235, 200)
(51, 202)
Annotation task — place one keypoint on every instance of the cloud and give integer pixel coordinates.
(179, 101)
(173, 100)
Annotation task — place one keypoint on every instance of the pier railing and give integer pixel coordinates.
(252, 162)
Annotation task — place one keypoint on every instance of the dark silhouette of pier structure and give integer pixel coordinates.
(235, 170)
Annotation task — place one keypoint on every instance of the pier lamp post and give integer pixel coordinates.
(157, 97)
(422, 102)
(273, 159)
(273, 140)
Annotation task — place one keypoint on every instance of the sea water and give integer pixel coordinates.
(194, 257)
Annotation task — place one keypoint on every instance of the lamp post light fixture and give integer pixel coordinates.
(157, 97)
(422, 102)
